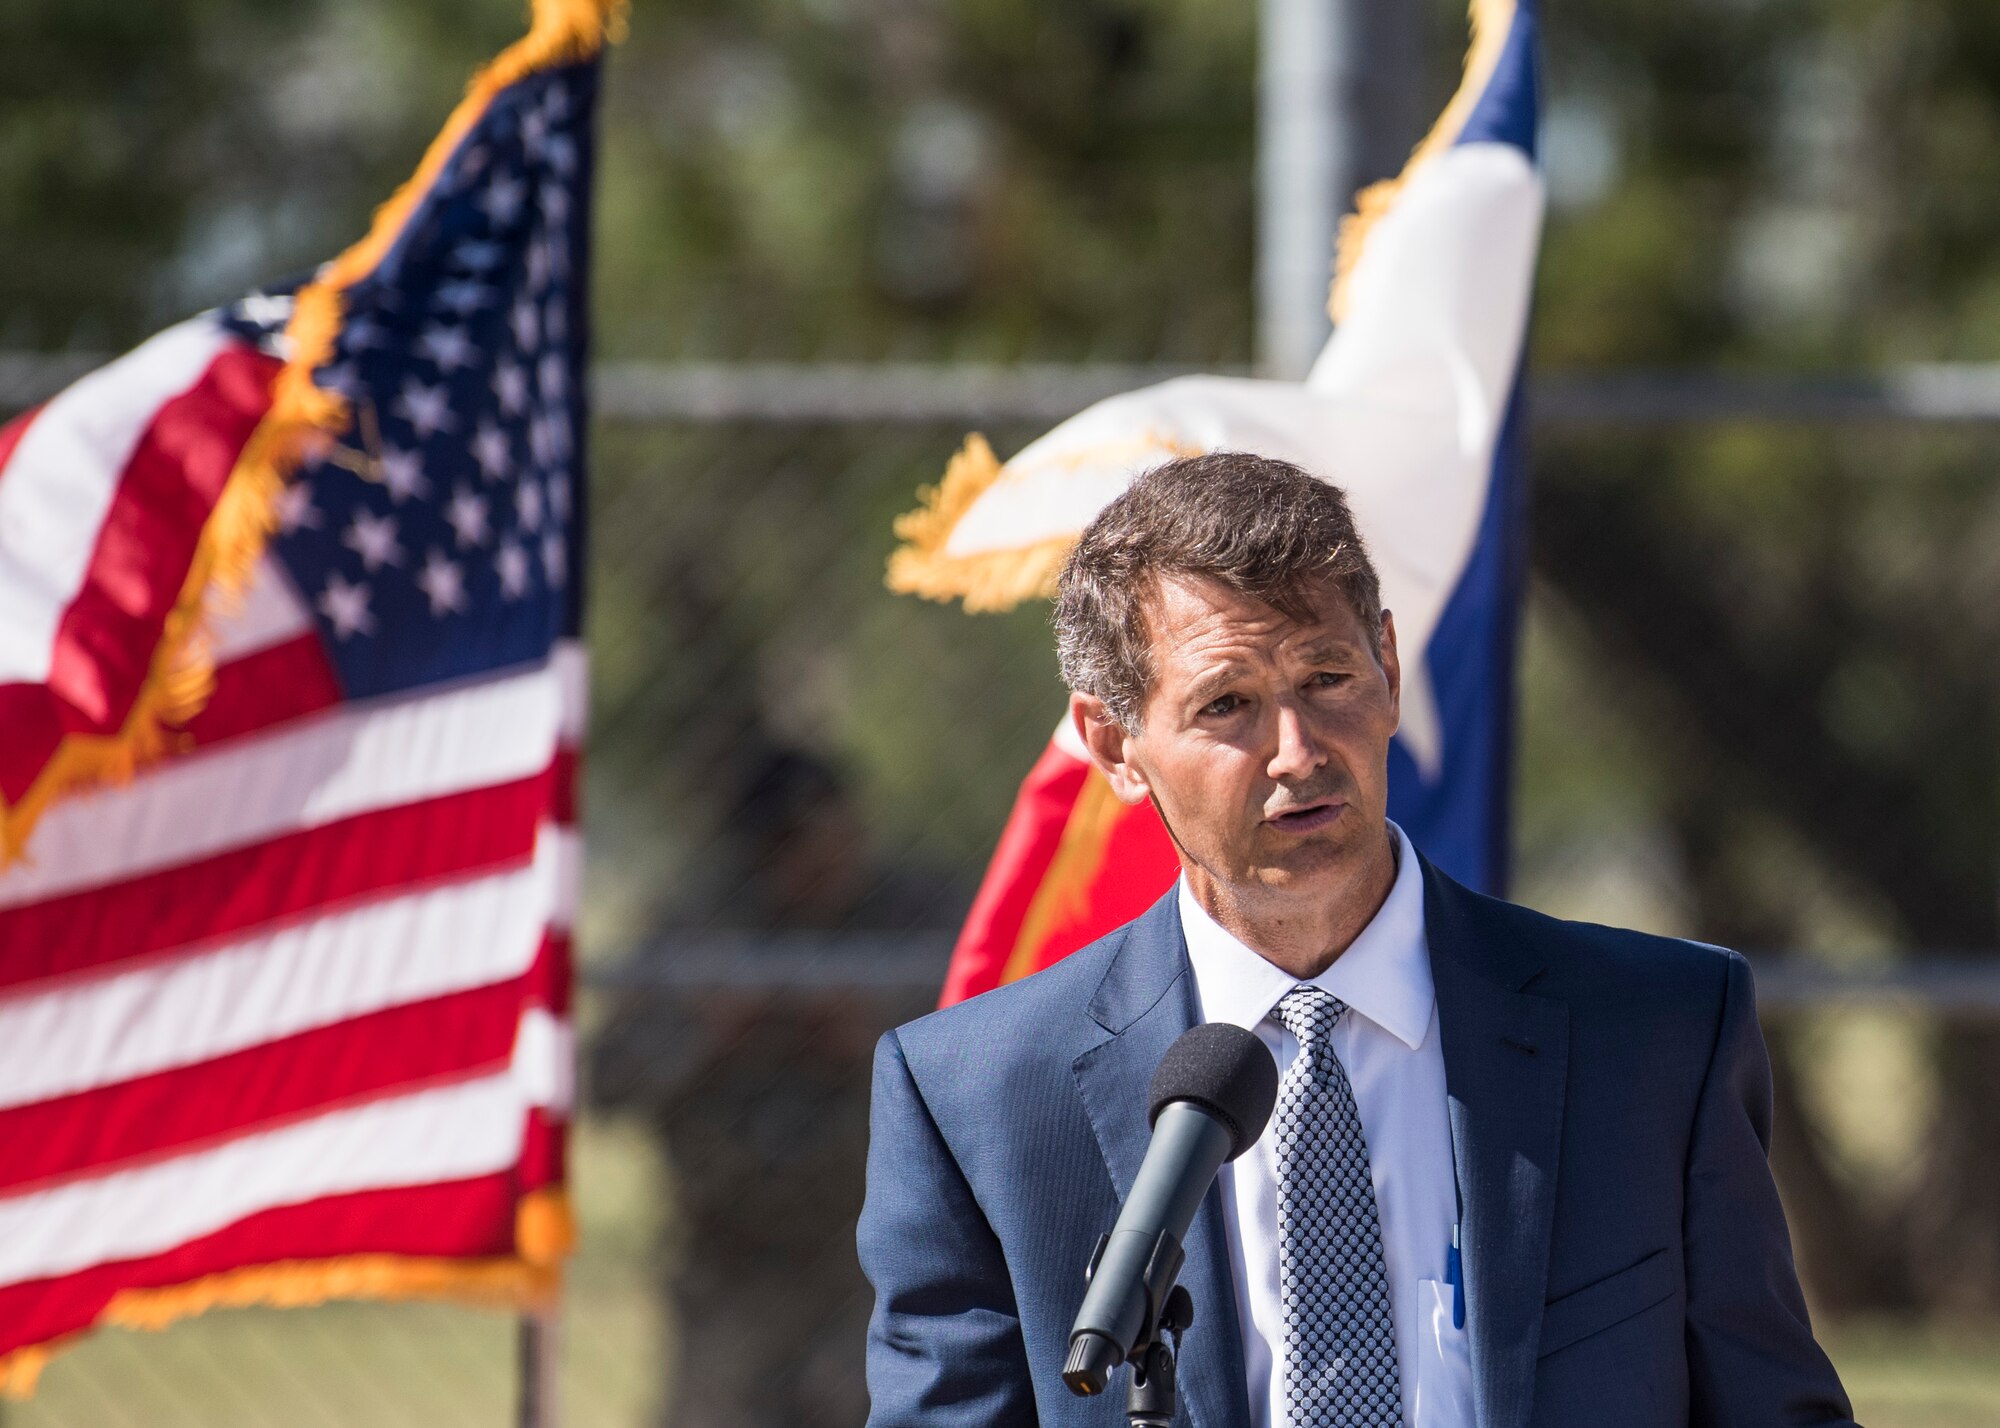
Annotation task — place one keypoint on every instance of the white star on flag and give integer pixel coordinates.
(373, 538)
(492, 450)
(534, 132)
(443, 582)
(554, 200)
(539, 266)
(360, 333)
(449, 347)
(510, 563)
(478, 256)
(464, 296)
(557, 418)
(528, 505)
(542, 441)
(402, 473)
(426, 408)
(559, 504)
(510, 385)
(467, 516)
(555, 558)
(502, 203)
(527, 324)
(552, 376)
(346, 606)
(295, 508)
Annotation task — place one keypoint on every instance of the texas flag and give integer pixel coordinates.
(1412, 408)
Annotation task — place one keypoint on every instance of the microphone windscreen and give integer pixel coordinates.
(1226, 1071)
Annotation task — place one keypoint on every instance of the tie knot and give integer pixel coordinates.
(1309, 1013)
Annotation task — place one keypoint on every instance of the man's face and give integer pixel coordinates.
(1265, 741)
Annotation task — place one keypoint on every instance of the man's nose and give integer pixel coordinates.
(1300, 750)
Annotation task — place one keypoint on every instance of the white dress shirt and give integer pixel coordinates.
(1388, 1045)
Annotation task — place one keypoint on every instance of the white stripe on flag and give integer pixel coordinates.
(450, 1133)
(350, 760)
(200, 1005)
(59, 484)
(568, 843)
(572, 666)
(545, 1060)
(267, 614)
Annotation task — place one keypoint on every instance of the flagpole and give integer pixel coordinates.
(1337, 95)
(537, 1344)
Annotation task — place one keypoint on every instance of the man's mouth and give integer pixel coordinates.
(1307, 819)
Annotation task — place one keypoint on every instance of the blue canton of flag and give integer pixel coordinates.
(442, 536)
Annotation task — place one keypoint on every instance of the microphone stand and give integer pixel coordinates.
(1152, 1399)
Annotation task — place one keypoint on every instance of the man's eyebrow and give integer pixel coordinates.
(1206, 686)
(1328, 649)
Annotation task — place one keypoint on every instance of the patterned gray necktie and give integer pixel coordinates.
(1340, 1337)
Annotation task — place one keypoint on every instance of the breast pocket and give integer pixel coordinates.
(1611, 1300)
(1444, 1358)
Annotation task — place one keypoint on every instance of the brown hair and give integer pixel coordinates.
(1262, 527)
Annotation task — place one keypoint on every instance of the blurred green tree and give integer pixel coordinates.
(1764, 654)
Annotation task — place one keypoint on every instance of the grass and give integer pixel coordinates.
(1919, 1376)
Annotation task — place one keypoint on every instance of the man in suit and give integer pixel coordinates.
(1517, 1172)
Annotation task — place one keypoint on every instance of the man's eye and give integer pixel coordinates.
(1326, 678)
(1225, 704)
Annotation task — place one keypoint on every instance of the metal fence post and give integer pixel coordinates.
(538, 1344)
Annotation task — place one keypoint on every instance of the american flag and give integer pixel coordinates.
(286, 1015)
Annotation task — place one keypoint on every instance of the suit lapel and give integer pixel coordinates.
(1144, 1003)
(1506, 1057)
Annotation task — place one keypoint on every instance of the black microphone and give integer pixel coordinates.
(1208, 1104)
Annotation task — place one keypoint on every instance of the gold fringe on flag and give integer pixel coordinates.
(529, 1279)
(302, 419)
(996, 580)
(1492, 21)
(990, 581)
(1000, 579)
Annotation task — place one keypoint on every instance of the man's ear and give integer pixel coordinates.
(1109, 748)
(1392, 664)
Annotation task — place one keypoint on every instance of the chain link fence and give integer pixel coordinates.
(794, 780)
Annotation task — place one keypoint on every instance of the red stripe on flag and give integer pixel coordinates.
(105, 642)
(1072, 864)
(1027, 846)
(544, 1149)
(568, 771)
(33, 722)
(191, 1107)
(312, 871)
(456, 1219)
(552, 977)
(1138, 866)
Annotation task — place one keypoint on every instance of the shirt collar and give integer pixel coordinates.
(1385, 973)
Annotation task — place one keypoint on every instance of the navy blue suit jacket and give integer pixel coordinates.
(1610, 1102)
